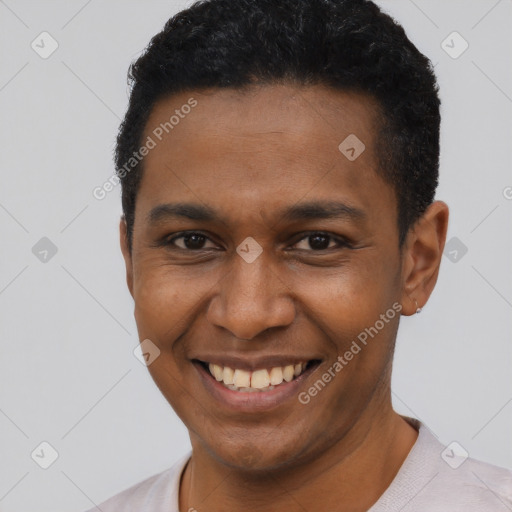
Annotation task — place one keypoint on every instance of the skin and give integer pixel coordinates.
(249, 154)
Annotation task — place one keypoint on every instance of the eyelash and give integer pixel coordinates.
(342, 242)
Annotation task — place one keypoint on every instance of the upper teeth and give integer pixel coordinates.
(256, 380)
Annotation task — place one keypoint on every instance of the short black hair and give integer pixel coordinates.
(349, 45)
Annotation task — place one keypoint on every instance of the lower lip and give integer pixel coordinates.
(252, 401)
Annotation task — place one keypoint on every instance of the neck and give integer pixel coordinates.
(351, 475)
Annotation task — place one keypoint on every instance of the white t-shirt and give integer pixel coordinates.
(433, 478)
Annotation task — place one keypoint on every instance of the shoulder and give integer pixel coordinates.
(158, 493)
(475, 486)
(438, 478)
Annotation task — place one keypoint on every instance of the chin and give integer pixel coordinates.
(254, 454)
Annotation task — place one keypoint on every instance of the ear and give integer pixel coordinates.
(422, 255)
(125, 249)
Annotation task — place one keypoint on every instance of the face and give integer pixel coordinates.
(262, 252)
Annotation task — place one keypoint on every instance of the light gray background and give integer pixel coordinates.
(67, 372)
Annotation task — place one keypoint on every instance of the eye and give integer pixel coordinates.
(319, 241)
(312, 242)
(191, 241)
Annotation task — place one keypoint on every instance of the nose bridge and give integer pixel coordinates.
(251, 299)
(251, 283)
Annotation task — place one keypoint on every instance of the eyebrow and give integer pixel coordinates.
(313, 210)
(189, 211)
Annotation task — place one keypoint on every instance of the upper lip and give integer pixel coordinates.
(253, 363)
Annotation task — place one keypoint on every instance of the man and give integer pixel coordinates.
(279, 161)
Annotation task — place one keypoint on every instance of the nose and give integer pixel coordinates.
(251, 299)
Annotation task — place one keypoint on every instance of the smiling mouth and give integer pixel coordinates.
(258, 380)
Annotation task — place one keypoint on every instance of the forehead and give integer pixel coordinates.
(263, 148)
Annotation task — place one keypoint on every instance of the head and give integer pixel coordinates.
(283, 206)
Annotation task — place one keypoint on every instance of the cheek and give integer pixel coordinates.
(347, 306)
(165, 304)
(167, 298)
(161, 300)
(345, 301)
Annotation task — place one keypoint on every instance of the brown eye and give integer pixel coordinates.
(191, 241)
(317, 242)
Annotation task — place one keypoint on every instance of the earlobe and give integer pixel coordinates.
(125, 249)
(422, 257)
